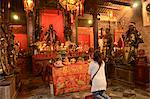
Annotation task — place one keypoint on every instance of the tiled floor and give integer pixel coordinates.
(35, 88)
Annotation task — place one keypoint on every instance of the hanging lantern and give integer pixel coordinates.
(28, 5)
(72, 5)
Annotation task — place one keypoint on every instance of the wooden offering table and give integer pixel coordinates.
(124, 74)
(70, 78)
(142, 78)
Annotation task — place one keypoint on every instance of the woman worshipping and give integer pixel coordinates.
(97, 73)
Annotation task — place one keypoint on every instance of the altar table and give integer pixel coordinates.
(70, 78)
(40, 62)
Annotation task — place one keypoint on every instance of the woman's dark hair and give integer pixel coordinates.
(91, 50)
(97, 57)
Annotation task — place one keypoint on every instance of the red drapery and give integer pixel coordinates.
(55, 18)
(22, 39)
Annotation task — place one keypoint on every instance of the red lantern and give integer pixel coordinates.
(73, 5)
(28, 5)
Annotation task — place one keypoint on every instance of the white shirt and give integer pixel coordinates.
(99, 81)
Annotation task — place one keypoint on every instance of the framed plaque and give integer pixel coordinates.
(146, 12)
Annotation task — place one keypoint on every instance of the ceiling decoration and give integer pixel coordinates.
(103, 6)
(121, 2)
(70, 4)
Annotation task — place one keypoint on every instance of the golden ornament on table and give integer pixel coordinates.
(66, 61)
(73, 60)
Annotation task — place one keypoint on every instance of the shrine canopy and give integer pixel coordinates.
(54, 17)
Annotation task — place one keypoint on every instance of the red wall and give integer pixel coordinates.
(56, 19)
(84, 39)
(22, 38)
(84, 34)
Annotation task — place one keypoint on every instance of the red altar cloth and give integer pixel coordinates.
(70, 78)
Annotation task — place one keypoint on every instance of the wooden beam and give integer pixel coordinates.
(119, 3)
(109, 7)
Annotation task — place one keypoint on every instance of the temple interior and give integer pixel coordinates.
(46, 48)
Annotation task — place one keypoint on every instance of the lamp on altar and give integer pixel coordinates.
(28, 5)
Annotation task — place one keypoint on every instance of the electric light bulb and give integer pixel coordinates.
(16, 17)
(90, 21)
(135, 5)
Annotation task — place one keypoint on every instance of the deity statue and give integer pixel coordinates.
(17, 49)
(67, 33)
(5, 66)
(101, 43)
(11, 49)
(38, 31)
(109, 42)
(132, 39)
(50, 35)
